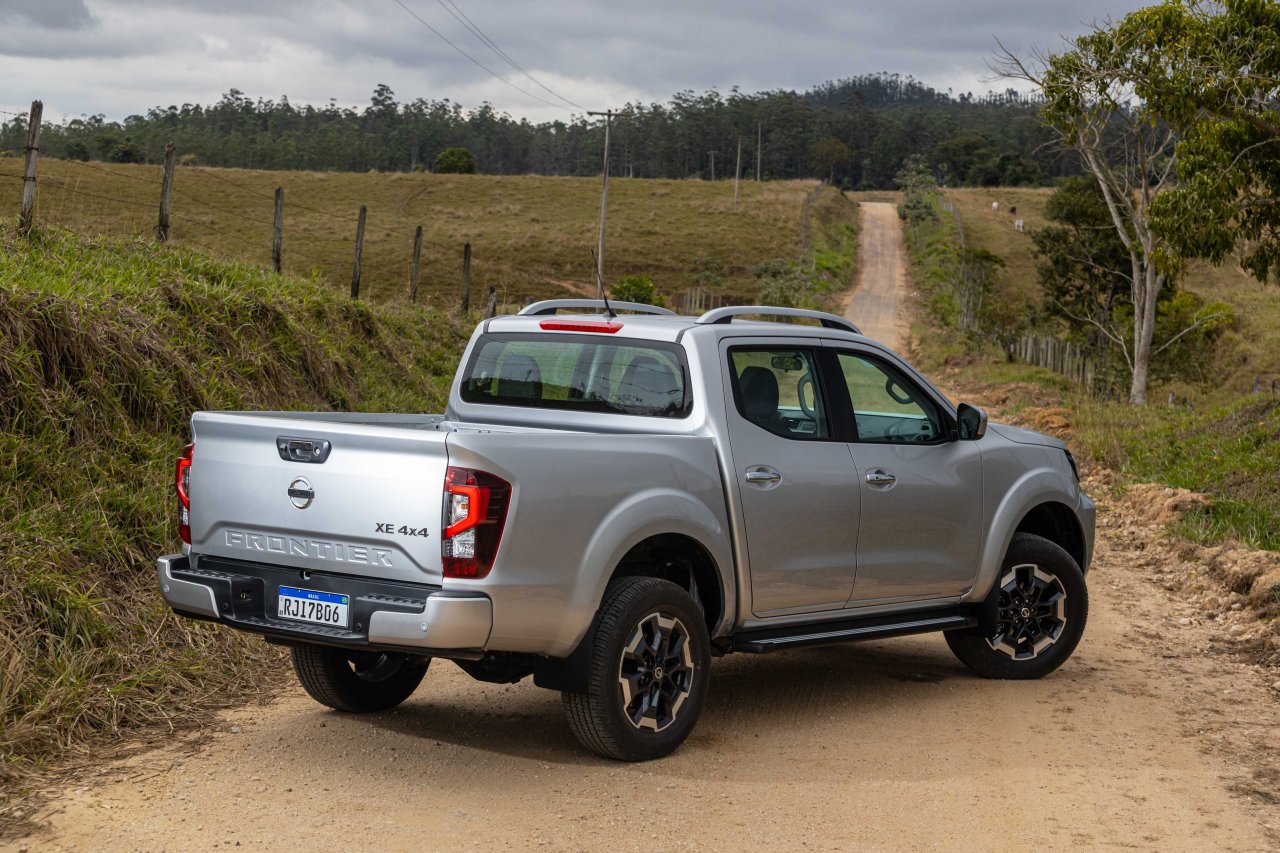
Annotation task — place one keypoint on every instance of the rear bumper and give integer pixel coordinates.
(383, 615)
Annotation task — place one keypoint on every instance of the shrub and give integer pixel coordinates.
(455, 161)
(638, 288)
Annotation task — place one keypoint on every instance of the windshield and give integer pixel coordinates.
(580, 373)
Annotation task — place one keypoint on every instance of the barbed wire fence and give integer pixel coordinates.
(237, 227)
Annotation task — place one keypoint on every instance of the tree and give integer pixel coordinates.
(456, 161)
(1219, 89)
(919, 191)
(1084, 267)
(1090, 102)
(826, 154)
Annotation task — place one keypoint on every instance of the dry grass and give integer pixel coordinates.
(531, 236)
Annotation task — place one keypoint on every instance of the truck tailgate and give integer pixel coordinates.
(372, 507)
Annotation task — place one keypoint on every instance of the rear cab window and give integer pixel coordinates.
(584, 373)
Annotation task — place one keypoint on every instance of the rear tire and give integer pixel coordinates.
(357, 682)
(1042, 605)
(647, 672)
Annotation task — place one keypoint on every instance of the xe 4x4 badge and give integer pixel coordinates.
(403, 530)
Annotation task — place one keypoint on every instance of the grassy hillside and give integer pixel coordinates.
(1221, 438)
(1252, 350)
(531, 236)
(106, 347)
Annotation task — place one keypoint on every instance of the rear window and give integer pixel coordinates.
(579, 373)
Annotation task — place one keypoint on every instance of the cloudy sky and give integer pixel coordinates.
(119, 57)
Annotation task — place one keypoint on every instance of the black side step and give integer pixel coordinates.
(761, 641)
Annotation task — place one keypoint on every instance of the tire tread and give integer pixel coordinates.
(589, 714)
(977, 654)
(323, 672)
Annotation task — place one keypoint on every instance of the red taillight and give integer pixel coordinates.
(182, 485)
(475, 510)
(608, 327)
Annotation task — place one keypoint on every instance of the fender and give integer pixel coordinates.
(653, 512)
(1032, 488)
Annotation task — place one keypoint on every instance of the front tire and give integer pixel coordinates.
(1041, 605)
(357, 682)
(647, 673)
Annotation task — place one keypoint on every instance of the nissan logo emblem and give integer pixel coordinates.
(300, 493)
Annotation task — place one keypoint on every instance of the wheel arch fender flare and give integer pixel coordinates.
(1034, 488)
(650, 513)
(644, 515)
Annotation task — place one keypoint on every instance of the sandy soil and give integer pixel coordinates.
(882, 274)
(1154, 736)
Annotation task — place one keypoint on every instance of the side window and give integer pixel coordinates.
(777, 390)
(888, 407)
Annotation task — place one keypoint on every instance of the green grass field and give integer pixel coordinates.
(531, 236)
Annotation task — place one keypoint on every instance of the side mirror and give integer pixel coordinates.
(973, 422)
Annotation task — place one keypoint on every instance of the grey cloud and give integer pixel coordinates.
(50, 14)
(345, 47)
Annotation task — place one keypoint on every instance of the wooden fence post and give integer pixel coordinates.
(277, 233)
(26, 216)
(355, 270)
(491, 307)
(166, 195)
(413, 270)
(466, 277)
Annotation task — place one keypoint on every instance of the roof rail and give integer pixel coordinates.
(726, 315)
(551, 306)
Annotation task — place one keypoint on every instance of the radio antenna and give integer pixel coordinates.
(608, 312)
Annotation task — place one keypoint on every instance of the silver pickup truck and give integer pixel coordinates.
(613, 498)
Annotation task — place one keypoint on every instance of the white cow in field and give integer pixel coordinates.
(995, 207)
(1017, 225)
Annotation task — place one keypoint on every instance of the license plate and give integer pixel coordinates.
(309, 605)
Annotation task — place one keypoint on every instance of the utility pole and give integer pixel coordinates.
(713, 166)
(737, 174)
(759, 146)
(604, 202)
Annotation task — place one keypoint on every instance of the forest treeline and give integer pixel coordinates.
(856, 132)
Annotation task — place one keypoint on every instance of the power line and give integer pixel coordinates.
(89, 165)
(461, 16)
(475, 61)
(62, 186)
(213, 174)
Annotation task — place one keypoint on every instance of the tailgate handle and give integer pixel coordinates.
(312, 450)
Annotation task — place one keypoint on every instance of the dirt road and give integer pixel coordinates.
(1146, 739)
(882, 274)
(882, 746)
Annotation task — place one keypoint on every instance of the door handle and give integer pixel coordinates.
(881, 477)
(761, 476)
